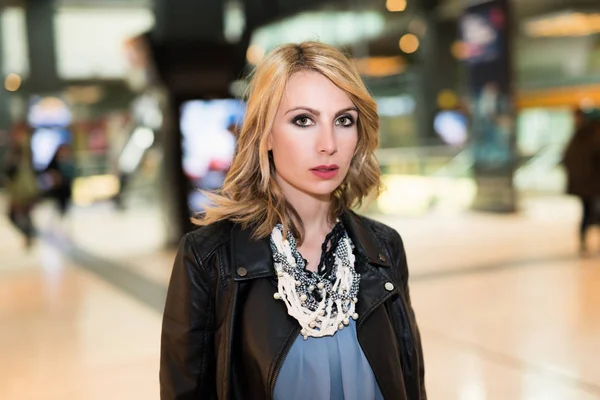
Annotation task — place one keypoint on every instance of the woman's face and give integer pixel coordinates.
(314, 136)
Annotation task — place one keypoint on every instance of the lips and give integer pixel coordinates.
(325, 168)
(325, 171)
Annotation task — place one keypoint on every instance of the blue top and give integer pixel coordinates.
(327, 368)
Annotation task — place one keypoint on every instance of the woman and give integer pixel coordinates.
(62, 172)
(21, 186)
(284, 293)
(582, 162)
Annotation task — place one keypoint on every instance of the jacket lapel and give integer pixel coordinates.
(273, 329)
(372, 259)
(374, 326)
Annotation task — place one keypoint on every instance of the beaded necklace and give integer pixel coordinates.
(322, 302)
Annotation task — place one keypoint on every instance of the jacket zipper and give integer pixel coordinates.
(288, 345)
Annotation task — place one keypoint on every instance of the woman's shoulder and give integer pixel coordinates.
(205, 239)
(380, 230)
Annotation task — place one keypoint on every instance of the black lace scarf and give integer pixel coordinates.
(328, 249)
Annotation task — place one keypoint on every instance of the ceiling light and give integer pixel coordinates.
(409, 43)
(395, 5)
(380, 66)
(12, 83)
(564, 24)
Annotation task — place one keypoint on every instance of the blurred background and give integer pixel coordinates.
(114, 112)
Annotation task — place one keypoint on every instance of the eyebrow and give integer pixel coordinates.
(317, 113)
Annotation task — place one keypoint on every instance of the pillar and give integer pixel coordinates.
(485, 29)
(43, 77)
(438, 71)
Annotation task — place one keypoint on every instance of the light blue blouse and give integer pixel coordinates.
(327, 368)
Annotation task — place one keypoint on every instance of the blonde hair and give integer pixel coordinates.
(250, 196)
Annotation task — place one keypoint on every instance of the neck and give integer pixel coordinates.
(313, 210)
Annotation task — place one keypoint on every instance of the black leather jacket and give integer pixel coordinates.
(225, 337)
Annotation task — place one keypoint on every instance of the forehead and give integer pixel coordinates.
(314, 90)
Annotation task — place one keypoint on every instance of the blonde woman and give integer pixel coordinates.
(283, 292)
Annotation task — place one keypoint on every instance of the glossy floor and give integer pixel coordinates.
(506, 307)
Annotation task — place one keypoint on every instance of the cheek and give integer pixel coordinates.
(348, 146)
(287, 151)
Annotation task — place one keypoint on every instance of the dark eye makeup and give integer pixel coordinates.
(304, 121)
(345, 120)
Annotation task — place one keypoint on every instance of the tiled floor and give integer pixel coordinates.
(506, 308)
(65, 334)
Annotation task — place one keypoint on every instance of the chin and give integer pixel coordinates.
(322, 188)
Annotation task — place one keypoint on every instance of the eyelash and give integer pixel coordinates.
(350, 121)
(303, 116)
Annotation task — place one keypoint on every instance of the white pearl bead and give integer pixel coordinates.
(320, 285)
(305, 337)
(279, 273)
(355, 300)
(355, 316)
(313, 324)
(277, 296)
(297, 283)
(346, 321)
(341, 326)
(303, 332)
(303, 297)
(311, 288)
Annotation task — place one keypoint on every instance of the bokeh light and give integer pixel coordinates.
(255, 54)
(12, 82)
(395, 5)
(409, 43)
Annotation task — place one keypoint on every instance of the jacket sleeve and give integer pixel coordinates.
(400, 257)
(187, 362)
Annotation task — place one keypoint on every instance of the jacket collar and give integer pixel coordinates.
(254, 258)
(364, 240)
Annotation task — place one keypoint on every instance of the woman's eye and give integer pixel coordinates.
(303, 121)
(345, 121)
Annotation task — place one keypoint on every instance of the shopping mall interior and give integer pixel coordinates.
(137, 105)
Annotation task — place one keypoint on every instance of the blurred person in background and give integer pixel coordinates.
(21, 184)
(582, 163)
(283, 292)
(61, 172)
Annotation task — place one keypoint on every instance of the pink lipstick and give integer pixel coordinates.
(326, 171)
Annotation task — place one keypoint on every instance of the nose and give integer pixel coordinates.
(326, 142)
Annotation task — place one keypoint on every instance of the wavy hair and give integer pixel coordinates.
(250, 196)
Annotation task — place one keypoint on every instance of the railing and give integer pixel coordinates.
(539, 173)
(425, 161)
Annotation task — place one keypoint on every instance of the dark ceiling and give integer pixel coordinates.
(445, 9)
(521, 8)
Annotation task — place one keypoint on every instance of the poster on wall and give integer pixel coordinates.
(208, 145)
(485, 34)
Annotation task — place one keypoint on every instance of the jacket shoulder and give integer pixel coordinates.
(205, 240)
(380, 230)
